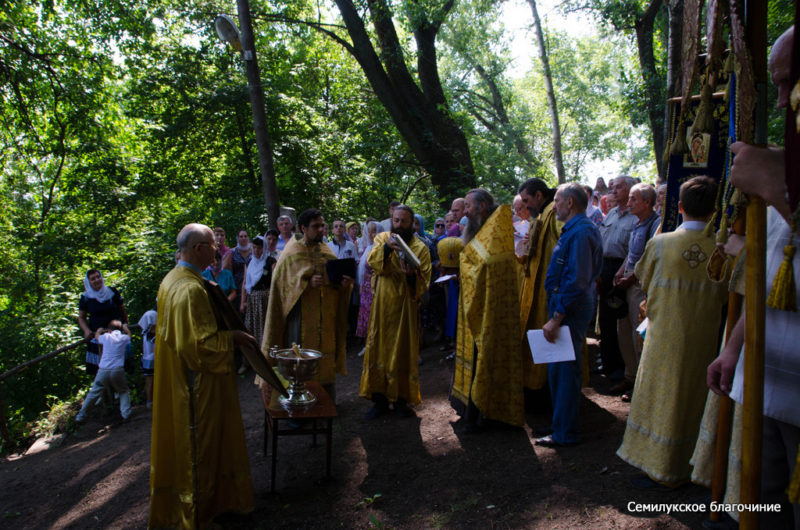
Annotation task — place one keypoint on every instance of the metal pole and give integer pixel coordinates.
(268, 181)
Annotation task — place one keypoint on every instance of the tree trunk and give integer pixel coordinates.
(551, 95)
(647, 63)
(247, 155)
(421, 115)
(268, 181)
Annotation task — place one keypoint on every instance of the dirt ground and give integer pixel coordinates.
(418, 472)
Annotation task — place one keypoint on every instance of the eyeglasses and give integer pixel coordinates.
(439, 226)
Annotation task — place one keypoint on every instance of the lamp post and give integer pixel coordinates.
(243, 42)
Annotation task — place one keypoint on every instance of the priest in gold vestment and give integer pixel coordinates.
(391, 354)
(542, 237)
(488, 371)
(304, 306)
(684, 310)
(198, 459)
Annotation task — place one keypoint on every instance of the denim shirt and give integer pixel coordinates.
(641, 234)
(576, 264)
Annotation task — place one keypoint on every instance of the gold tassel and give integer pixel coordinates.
(704, 121)
(708, 231)
(739, 201)
(722, 233)
(729, 65)
(679, 145)
(727, 96)
(783, 294)
(665, 156)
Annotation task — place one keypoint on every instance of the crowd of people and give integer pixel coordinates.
(565, 261)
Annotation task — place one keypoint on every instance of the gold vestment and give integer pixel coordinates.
(392, 350)
(323, 309)
(488, 364)
(198, 459)
(684, 310)
(533, 297)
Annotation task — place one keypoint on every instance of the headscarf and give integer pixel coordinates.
(104, 294)
(255, 269)
(347, 233)
(364, 240)
(422, 232)
(444, 234)
(249, 246)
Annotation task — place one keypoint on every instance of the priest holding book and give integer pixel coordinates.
(402, 266)
(306, 305)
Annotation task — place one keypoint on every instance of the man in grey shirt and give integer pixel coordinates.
(615, 231)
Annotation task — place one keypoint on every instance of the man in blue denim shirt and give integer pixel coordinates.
(641, 201)
(570, 285)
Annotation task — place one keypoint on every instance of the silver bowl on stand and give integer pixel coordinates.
(297, 369)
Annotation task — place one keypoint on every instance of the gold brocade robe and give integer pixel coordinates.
(323, 309)
(392, 350)
(533, 298)
(684, 309)
(489, 323)
(198, 458)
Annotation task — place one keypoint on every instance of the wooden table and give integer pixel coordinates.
(322, 409)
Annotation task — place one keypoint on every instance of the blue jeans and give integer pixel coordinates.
(565, 377)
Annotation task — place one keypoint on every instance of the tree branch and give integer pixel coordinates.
(317, 26)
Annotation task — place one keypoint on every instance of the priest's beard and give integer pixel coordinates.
(474, 224)
(406, 233)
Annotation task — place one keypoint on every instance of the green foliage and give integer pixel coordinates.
(780, 16)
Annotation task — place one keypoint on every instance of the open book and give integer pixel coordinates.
(406, 254)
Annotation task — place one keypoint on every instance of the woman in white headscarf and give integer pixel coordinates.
(255, 292)
(99, 305)
(365, 281)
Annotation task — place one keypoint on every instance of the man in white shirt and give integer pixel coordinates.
(285, 229)
(111, 370)
(338, 244)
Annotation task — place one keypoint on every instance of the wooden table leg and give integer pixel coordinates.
(266, 432)
(275, 427)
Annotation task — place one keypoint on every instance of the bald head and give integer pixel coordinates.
(780, 66)
(196, 244)
(457, 208)
(519, 208)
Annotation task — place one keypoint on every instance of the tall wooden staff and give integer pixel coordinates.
(755, 267)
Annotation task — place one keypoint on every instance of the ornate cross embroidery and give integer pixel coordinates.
(694, 255)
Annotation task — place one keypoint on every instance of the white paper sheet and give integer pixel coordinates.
(442, 279)
(642, 329)
(548, 352)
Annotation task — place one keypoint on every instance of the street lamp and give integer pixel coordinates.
(227, 31)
